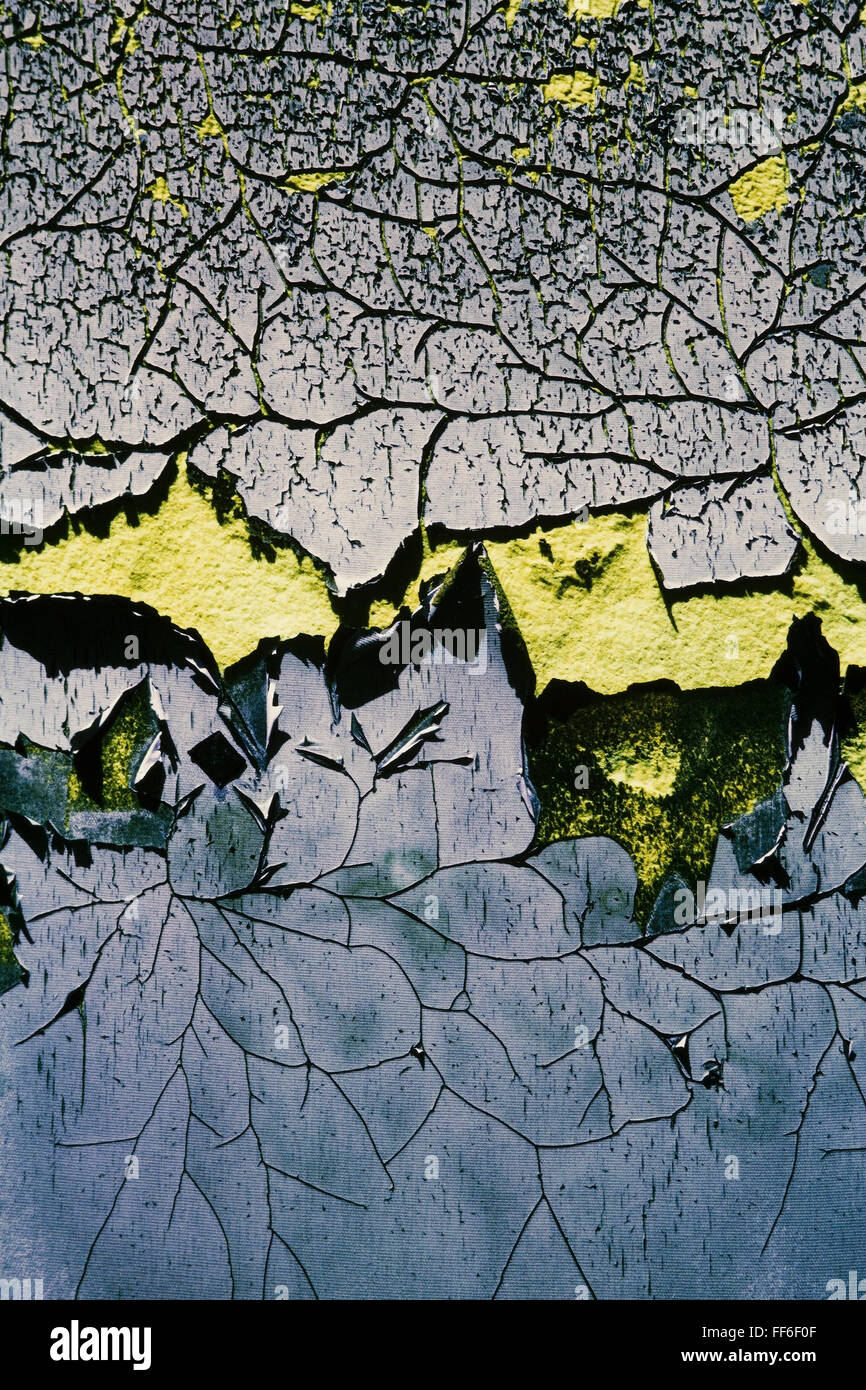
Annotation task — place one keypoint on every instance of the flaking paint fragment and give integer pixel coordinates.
(252, 1064)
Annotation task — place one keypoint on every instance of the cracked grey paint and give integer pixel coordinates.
(376, 266)
(322, 1020)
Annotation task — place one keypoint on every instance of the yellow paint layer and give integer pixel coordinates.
(856, 98)
(652, 771)
(583, 594)
(761, 190)
(594, 612)
(307, 12)
(198, 571)
(210, 126)
(635, 75)
(571, 88)
(160, 192)
(660, 771)
(311, 183)
(9, 972)
(597, 9)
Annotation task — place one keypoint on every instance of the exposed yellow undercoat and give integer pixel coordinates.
(761, 190)
(583, 594)
(198, 571)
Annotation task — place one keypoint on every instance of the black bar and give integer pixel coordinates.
(589, 1340)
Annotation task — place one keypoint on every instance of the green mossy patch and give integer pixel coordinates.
(665, 769)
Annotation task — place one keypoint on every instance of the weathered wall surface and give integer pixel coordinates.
(383, 913)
